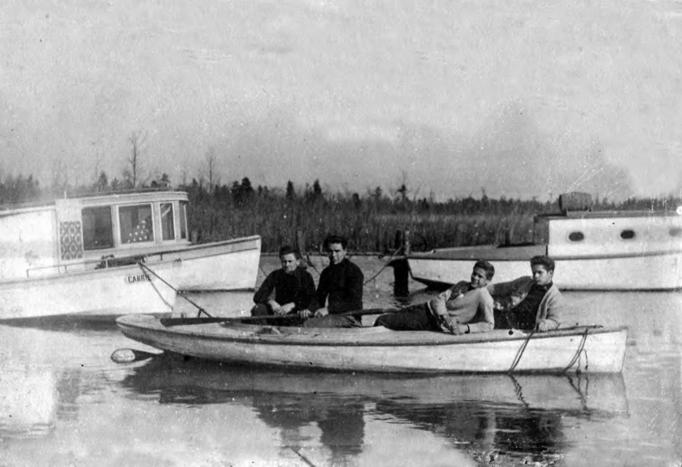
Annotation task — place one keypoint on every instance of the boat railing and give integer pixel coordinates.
(86, 265)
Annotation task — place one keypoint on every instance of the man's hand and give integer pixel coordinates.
(275, 307)
(287, 307)
(546, 325)
(305, 314)
(447, 323)
(320, 312)
(445, 295)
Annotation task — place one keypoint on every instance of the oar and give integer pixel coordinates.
(144, 267)
(131, 355)
(268, 318)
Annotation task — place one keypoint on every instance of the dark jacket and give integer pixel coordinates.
(341, 284)
(297, 287)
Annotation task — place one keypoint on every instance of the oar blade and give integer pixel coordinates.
(127, 355)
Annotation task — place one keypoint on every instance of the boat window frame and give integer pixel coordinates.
(580, 236)
(628, 234)
(182, 220)
(111, 228)
(152, 230)
(173, 232)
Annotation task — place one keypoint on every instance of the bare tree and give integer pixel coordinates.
(136, 139)
(211, 168)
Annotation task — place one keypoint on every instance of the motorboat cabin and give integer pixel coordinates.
(87, 232)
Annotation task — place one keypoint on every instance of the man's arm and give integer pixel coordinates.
(554, 311)
(262, 295)
(485, 309)
(355, 286)
(319, 301)
(307, 294)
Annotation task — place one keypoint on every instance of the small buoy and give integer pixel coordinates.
(130, 355)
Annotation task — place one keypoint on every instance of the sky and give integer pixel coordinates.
(453, 98)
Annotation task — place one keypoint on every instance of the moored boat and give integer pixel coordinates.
(377, 349)
(98, 255)
(593, 250)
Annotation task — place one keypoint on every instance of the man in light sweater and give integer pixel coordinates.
(529, 303)
(464, 308)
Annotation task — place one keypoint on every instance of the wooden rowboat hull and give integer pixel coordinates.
(377, 349)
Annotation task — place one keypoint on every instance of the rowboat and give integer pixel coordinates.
(98, 255)
(593, 250)
(377, 349)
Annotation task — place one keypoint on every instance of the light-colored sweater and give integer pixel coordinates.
(473, 307)
(509, 294)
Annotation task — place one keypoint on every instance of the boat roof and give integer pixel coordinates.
(145, 194)
(606, 214)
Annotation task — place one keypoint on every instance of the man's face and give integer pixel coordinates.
(478, 278)
(336, 252)
(541, 275)
(289, 262)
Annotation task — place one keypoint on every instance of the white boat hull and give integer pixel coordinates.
(376, 349)
(112, 291)
(632, 272)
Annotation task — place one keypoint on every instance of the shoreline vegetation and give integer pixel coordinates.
(373, 222)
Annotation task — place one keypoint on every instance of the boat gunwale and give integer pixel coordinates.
(440, 255)
(280, 339)
(75, 274)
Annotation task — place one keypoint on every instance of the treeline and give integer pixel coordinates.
(371, 221)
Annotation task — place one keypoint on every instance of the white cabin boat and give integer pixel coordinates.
(80, 256)
(607, 250)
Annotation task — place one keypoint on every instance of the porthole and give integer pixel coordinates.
(576, 236)
(627, 234)
(676, 232)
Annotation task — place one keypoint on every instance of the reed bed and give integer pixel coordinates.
(371, 223)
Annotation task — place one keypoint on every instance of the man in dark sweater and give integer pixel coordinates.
(529, 303)
(288, 290)
(339, 288)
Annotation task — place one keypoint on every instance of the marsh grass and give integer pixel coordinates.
(371, 223)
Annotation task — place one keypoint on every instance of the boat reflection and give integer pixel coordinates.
(490, 417)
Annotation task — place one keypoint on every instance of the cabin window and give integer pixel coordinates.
(167, 230)
(576, 236)
(183, 219)
(136, 223)
(676, 232)
(97, 228)
(627, 234)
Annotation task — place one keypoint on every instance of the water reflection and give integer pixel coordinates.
(28, 402)
(489, 417)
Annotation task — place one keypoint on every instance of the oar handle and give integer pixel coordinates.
(274, 318)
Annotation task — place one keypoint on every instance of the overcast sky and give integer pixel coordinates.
(526, 98)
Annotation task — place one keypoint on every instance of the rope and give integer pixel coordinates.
(520, 352)
(578, 352)
(146, 268)
(387, 264)
(518, 390)
(158, 292)
(579, 391)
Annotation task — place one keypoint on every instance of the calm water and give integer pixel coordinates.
(64, 402)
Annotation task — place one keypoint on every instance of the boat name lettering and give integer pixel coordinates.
(132, 278)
